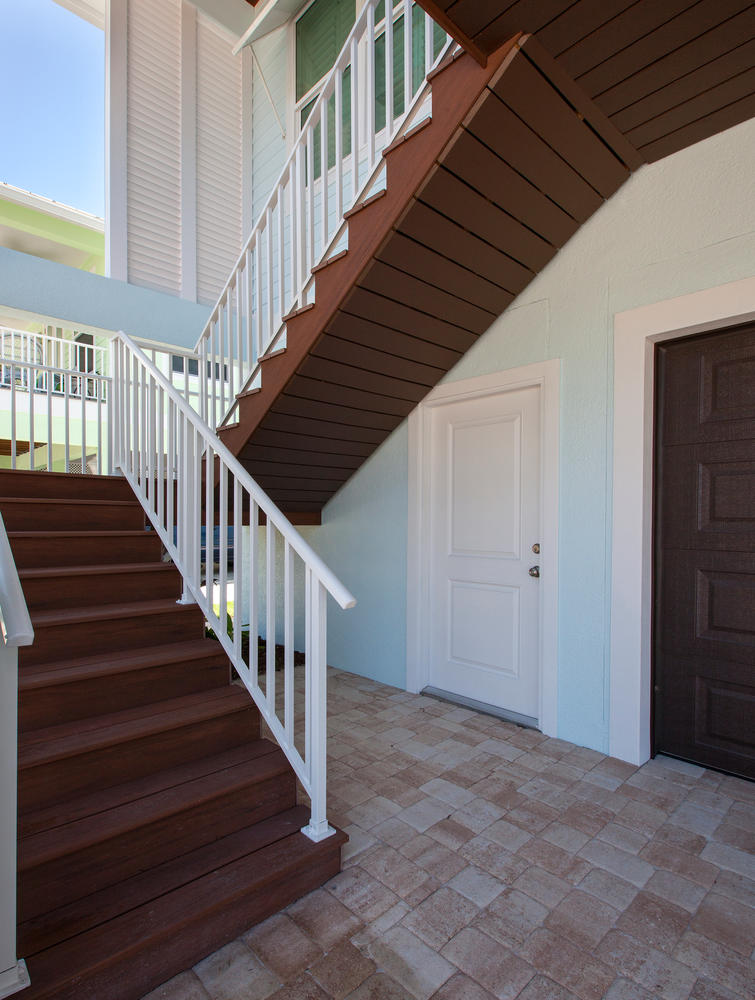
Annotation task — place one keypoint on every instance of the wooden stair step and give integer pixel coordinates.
(54, 513)
(83, 548)
(72, 759)
(79, 631)
(89, 911)
(80, 586)
(66, 690)
(63, 485)
(102, 799)
(127, 956)
(62, 864)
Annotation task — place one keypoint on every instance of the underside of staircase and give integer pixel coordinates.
(476, 201)
(155, 824)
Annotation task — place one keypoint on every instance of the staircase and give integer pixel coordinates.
(154, 823)
(476, 201)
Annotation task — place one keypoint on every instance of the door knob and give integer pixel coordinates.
(535, 571)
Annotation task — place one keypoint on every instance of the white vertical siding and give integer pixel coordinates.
(268, 144)
(154, 144)
(219, 158)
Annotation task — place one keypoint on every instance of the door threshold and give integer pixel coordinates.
(525, 721)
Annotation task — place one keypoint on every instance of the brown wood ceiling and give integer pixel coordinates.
(666, 72)
(477, 201)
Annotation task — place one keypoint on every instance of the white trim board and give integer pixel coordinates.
(546, 375)
(635, 334)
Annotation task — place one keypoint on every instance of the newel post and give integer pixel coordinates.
(317, 709)
(13, 974)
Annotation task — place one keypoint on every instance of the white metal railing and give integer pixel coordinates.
(335, 161)
(54, 395)
(16, 631)
(186, 480)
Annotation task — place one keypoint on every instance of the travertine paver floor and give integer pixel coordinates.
(487, 860)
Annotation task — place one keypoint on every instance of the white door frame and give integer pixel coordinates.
(547, 376)
(635, 334)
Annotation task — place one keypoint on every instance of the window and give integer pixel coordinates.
(177, 362)
(320, 35)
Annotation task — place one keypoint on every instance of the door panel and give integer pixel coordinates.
(485, 516)
(704, 613)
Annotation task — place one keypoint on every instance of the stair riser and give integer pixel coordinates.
(58, 780)
(160, 956)
(74, 876)
(75, 639)
(40, 485)
(61, 516)
(56, 704)
(31, 552)
(101, 588)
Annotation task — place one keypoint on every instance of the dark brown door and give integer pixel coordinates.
(704, 611)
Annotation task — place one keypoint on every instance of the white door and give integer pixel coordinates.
(485, 520)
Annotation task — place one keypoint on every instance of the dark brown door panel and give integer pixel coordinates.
(704, 607)
(706, 716)
(708, 497)
(709, 388)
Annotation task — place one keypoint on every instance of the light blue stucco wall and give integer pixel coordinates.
(681, 225)
(65, 293)
(268, 145)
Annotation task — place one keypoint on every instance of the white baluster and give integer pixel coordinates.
(388, 70)
(270, 616)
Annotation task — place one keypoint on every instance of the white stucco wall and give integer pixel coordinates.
(684, 224)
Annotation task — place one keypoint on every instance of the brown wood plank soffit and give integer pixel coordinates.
(667, 74)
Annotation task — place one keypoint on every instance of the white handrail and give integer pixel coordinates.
(303, 220)
(14, 615)
(16, 631)
(185, 478)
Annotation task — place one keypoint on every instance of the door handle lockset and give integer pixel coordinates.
(535, 571)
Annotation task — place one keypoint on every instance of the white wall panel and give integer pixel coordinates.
(218, 158)
(154, 144)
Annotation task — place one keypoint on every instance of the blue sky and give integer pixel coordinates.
(52, 113)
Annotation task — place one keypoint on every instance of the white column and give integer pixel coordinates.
(116, 139)
(188, 151)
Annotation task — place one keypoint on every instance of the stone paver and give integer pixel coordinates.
(489, 861)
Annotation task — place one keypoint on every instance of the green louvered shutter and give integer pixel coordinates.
(320, 34)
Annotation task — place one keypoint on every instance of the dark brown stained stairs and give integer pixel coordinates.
(476, 202)
(154, 824)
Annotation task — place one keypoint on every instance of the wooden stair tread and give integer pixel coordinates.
(158, 797)
(104, 664)
(56, 742)
(100, 533)
(103, 800)
(68, 616)
(192, 918)
(60, 484)
(58, 502)
(105, 904)
(43, 572)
